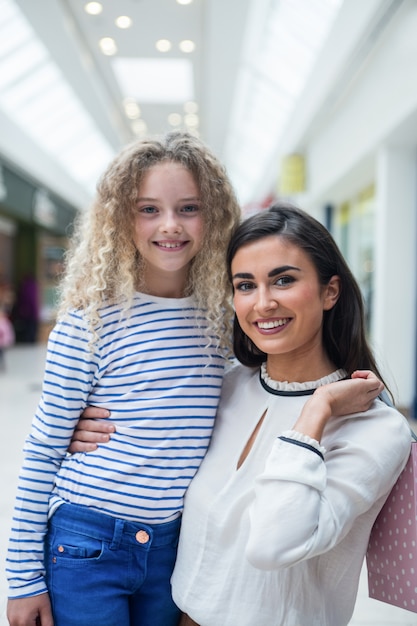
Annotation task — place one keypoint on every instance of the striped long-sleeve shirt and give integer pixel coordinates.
(160, 381)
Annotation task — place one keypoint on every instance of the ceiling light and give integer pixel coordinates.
(174, 119)
(93, 8)
(139, 127)
(163, 45)
(191, 120)
(132, 109)
(184, 1)
(123, 21)
(108, 46)
(187, 45)
(191, 107)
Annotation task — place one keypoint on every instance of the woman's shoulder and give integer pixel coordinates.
(380, 429)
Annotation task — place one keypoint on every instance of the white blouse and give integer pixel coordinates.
(280, 540)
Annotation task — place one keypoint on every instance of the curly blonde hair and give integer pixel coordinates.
(103, 264)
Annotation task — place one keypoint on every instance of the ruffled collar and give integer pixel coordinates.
(284, 387)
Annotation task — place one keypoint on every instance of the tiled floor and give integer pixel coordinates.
(19, 392)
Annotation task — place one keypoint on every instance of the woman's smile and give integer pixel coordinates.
(273, 324)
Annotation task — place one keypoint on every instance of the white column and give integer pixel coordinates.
(394, 310)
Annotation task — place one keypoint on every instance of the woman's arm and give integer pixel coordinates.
(90, 432)
(307, 497)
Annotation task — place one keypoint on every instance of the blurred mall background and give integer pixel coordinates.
(311, 100)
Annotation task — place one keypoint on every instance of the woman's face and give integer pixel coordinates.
(279, 301)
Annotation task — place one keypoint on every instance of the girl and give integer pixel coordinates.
(143, 329)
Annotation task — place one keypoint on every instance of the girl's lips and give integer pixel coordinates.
(170, 245)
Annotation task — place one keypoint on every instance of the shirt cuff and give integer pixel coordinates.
(304, 439)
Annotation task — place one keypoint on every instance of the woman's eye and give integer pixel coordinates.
(283, 281)
(244, 287)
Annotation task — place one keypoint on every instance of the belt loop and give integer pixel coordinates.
(117, 534)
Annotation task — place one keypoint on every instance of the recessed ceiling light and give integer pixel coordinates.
(139, 127)
(184, 1)
(93, 8)
(191, 120)
(191, 107)
(123, 21)
(108, 46)
(174, 119)
(132, 109)
(187, 45)
(163, 45)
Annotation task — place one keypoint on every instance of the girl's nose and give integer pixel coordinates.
(170, 223)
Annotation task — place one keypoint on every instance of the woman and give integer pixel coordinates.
(277, 519)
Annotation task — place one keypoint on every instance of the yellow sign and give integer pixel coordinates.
(292, 179)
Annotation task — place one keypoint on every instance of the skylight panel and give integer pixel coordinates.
(282, 48)
(36, 96)
(155, 80)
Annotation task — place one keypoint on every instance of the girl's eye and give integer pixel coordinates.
(147, 209)
(190, 208)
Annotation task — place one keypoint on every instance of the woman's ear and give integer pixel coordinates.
(331, 293)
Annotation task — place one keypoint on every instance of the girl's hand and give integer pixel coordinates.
(32, 610)
(340, 398)
(90, 430)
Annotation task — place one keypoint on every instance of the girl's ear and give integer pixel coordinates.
(331, 293)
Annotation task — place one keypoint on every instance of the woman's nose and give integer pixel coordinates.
(265, 300)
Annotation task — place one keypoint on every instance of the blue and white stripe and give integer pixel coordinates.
(153, 371)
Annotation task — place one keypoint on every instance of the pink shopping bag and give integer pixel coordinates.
(391, 558)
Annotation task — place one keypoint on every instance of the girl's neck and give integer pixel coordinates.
(164, 285)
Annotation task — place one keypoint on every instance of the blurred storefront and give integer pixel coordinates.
(34, 226)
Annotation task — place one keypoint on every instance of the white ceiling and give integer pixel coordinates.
(250, 62)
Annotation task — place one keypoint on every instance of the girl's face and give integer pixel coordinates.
(279, 304)
(168, 227)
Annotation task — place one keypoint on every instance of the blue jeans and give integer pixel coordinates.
(105, 571)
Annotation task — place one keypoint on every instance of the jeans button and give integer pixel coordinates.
(142, 536)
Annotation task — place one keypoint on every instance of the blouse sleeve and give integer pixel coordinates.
(307, 501)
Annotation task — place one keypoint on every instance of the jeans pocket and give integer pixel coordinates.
(65, 546)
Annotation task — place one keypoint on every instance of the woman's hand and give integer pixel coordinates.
(340, 398)
(91, 431)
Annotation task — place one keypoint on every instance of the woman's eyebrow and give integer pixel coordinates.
(282, 268)
(242, 275)
(274, 272)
